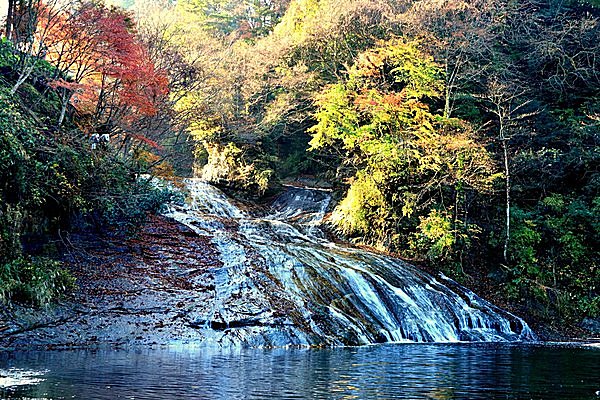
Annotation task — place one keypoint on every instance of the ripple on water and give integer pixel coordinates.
(403, 371)
(19, 377)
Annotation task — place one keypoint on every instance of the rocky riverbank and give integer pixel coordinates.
(144, 290)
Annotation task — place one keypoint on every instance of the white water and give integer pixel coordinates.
(19, 377)
(302, 289)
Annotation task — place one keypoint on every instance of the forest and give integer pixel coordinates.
(460, 135)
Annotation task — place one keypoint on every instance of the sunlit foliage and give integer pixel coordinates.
(403, 160)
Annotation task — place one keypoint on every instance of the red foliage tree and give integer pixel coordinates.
(105, 71)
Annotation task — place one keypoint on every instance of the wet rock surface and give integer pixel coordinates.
(591, 324)
(211, 273)
(315, 292)
(144, 290)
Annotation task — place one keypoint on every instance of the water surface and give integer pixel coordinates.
(401, 371)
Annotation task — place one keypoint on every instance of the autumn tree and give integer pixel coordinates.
(75, 50)
(105, 70)
(402, 158)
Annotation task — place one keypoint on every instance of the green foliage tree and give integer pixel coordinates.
(403, 161)
(245, 18)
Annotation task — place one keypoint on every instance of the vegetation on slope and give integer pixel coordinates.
(55, 175)
(462, 134)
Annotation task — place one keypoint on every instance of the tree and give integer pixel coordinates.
(401, 158)
(21, 20)
(460, 35)
(30, 37)
(244, 19)
(105, 70)
(74, 49)
(507, 101)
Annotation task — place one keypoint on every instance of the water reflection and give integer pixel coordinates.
(374, 372)
(19, 377)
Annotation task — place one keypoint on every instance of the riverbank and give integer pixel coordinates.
(138, 291)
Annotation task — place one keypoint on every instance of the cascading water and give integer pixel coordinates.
(282, 283)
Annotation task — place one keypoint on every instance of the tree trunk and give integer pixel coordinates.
(10, 17)
(447, 102)
(507, 177)
(63, 110)
(447, 92)
(23, 76)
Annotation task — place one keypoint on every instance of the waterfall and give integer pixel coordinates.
(283, 283)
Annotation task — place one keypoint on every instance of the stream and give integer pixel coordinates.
(283, 283)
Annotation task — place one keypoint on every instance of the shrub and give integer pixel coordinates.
(127, 209)
(554, 256)
(227, 166)
(435, 236)
(33, 281)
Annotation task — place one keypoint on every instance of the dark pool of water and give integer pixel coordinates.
(375, 372)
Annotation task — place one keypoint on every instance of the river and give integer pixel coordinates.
(388, 371)
(283, 283)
